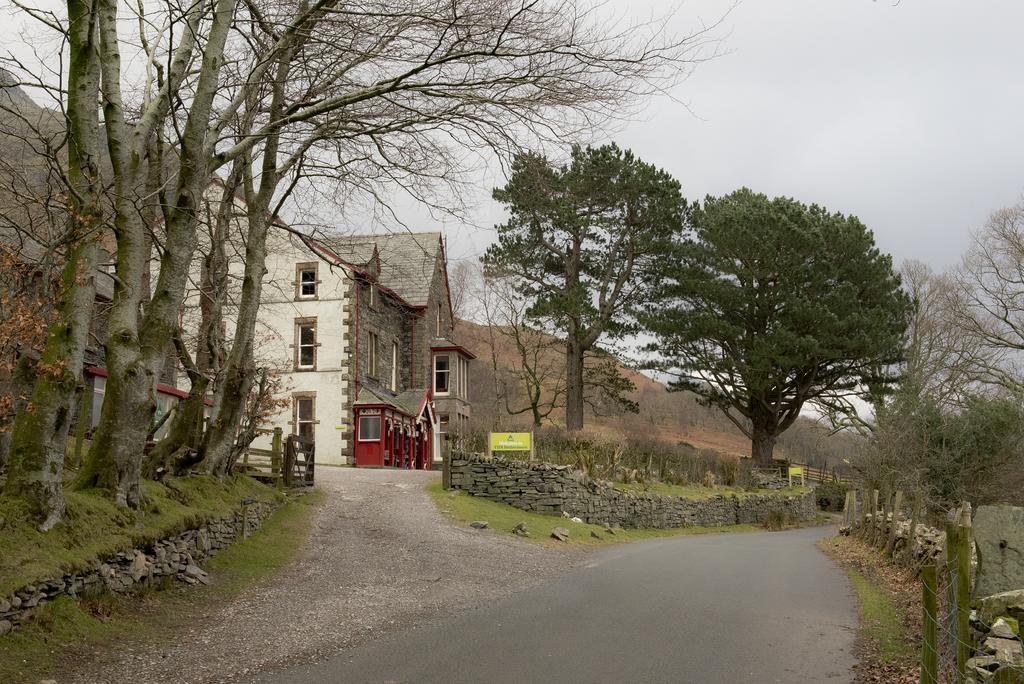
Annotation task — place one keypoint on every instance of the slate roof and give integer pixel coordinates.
(407, 260)
(408, 402)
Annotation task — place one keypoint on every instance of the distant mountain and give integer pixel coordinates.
(669, 417)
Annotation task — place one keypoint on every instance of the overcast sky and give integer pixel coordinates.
(909, 115)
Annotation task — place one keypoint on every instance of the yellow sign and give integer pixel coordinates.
(510, 441)
(796, 470)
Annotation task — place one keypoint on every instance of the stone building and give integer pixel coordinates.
(360, 328)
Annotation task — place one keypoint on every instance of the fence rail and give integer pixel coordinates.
(288, 462)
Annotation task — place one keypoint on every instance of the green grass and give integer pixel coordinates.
(464, 508)
(699, 492)
(66, 629)
(880, 619)
(883, 622)
(94, 527)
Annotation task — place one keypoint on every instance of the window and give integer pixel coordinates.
(437, 326)
(371, 354)
(373, 296)
(306, 280)
(369, 428)
(164, 404)
(305, 415)
(394, 366)
(442, 423)
(305, 352)
(99, 386)
(463, 380)
(441, 374)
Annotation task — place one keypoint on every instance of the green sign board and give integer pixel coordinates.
(510, 441)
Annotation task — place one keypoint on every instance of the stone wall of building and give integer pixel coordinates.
(176, 558)
(546, 488)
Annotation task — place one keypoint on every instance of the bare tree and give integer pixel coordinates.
(987, 300)
(366, 94)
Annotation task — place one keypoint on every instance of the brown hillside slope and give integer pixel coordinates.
(669, 417)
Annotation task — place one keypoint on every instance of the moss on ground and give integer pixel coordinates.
(699, 492)
(880, 619)
(464, 508)
(94, 527)
(64, 630)
(888, 635)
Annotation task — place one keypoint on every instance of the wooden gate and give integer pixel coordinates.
(299, 461)
(289, 462)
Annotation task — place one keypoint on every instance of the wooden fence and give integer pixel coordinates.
(288, 462)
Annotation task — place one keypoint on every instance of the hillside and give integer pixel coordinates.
(669, 417)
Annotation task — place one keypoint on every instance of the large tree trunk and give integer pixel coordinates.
(136, 347)
(230, 399)
(39, 436)
(762, 446)
(573, 386)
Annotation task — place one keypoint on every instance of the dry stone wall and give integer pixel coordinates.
(177, 558)
(547, 488)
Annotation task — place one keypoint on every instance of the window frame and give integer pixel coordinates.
(447, 372)
(372, 362)
(300, 268)
(300, 324)
(297, 420)
(359, 427)
(394, 366)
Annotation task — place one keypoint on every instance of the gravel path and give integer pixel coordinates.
(380, 558)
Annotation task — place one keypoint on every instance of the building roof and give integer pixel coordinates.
(407, 260)
(409, 402)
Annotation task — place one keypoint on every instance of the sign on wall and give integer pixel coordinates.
(510, 441)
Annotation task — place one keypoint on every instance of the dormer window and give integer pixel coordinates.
(306, 280)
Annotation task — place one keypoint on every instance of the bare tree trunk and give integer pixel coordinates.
(136, 347)
(230, 399)
(762, 447)
(39, 436)
(573, 386)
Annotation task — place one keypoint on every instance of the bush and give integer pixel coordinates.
(831, 496)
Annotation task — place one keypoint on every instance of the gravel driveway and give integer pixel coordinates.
(380, 558)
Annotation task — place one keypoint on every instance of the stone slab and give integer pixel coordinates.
(999, 536)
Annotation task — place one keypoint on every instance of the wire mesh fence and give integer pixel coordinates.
(955, 647)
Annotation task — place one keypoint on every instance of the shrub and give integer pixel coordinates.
(777, 520)
(831, 496)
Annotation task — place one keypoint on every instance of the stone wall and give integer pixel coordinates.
(546, 488)
(176, 558)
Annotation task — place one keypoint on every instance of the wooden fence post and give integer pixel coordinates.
(910, 551)
(446, 465)
(897, 504)
(963, 589)
(275, 453)
(874, 516)
(862, 509)
(878, 530)
(930, 642)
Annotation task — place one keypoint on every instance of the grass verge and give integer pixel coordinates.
(464, 508)
(95, 528)
(888, 641)
(65, 630)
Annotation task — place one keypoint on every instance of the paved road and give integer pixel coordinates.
(726, 608)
